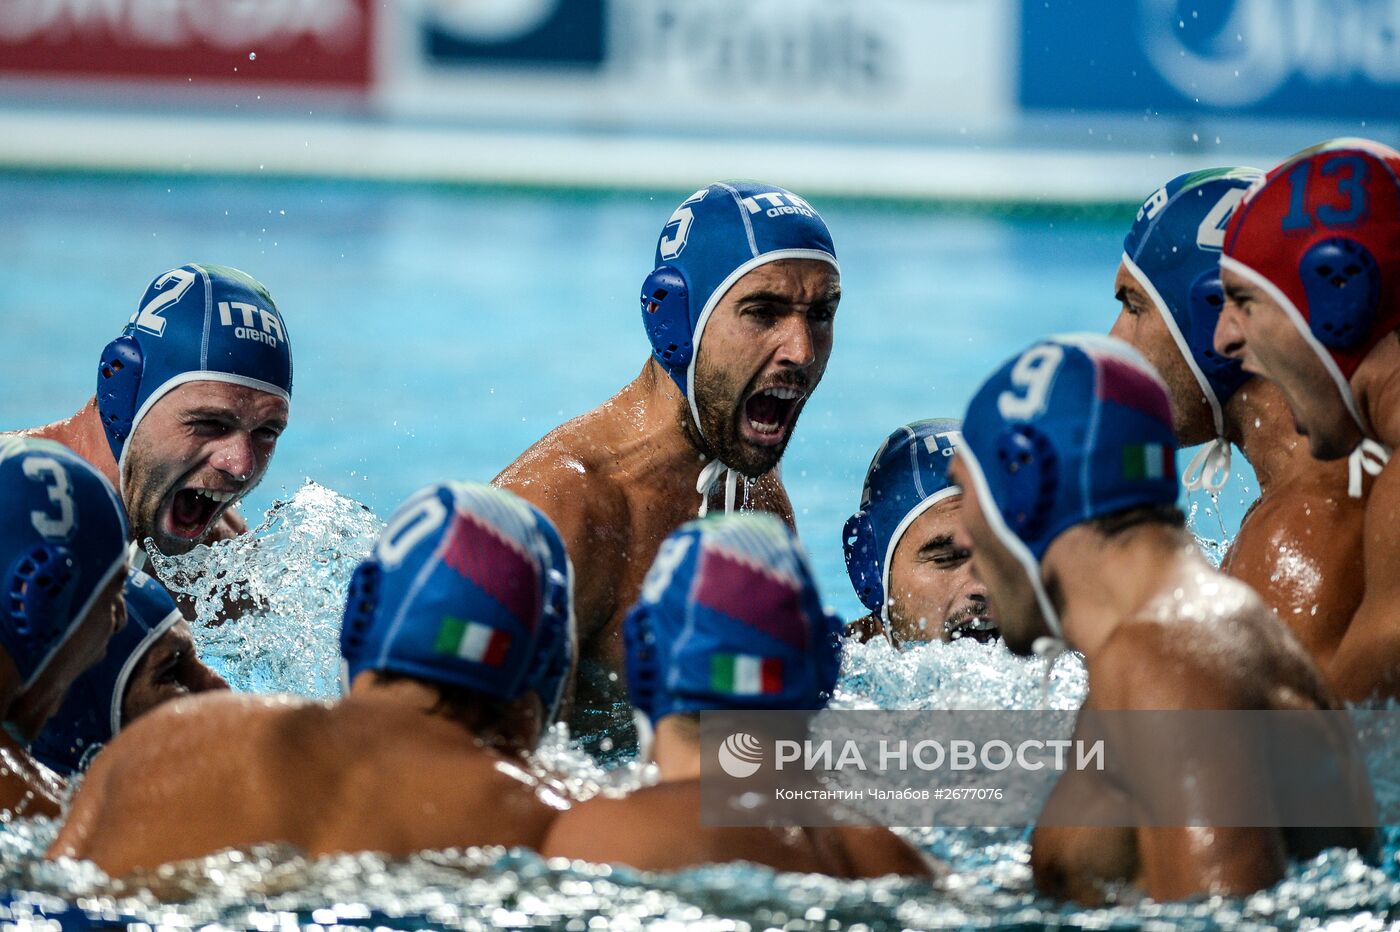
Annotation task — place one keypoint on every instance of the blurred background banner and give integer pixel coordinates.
(317, 43)
(1326, 59)
(895, 68)
(1062, 101)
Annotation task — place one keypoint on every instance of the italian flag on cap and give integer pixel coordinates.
(1145, 461)
(745, 675)
(471, 640)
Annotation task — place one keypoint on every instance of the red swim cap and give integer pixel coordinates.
(1321, 235)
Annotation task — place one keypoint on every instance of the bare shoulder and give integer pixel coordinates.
(564, 474)
(1162, 664)
(769, 494)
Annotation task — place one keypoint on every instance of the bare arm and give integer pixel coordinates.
(1367, 662)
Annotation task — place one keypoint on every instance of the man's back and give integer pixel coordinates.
(1210, 644)
(365, 774)
(658, 828)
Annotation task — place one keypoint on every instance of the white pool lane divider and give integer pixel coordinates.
(328, 147)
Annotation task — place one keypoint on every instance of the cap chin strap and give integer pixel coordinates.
(1370, 458)
(1209, 469)
(709, 478)
(646, 735)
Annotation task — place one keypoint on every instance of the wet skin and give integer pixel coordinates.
(1256, 330)
(170, 668)
(658, 828)
(933, 595)
(389, 773)
(618, 479)
(28, 788)
(1299, 545)
(1160, 630)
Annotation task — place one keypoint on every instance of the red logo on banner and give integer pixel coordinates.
(316, 42)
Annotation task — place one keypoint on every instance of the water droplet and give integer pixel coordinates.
(252, 56)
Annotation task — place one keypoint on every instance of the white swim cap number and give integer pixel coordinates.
(668, 558)
(50, 472)
(1033, 372)
(148, 318)
(408, 527)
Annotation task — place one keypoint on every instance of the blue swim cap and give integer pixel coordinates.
(717, 236)
(1075, 427)
(1173, 250)
(730, 618)
(91, 714)
(460, 590)
(908, 476)
(63, 536)
(195, 323)
(559, 612)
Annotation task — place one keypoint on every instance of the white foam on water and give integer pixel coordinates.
(297, 566)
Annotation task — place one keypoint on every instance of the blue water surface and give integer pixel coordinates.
(438, 332)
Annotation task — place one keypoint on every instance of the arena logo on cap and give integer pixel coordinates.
(779, 203)
(945, 442)
(271, 331)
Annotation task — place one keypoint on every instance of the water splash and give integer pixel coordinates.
(316, 537)
(292, 571)
(1213, 547)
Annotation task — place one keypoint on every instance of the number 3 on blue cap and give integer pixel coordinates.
(1032, 373)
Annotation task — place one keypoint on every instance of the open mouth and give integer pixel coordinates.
(192, 511)
(980, 628)
(769, 413)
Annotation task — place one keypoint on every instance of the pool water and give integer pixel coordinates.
(437, 333)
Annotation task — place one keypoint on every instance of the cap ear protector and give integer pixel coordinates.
(118, 384)
(1026, 454)
(1343, 285)
(643, 672)
(1205, 301)
(858, 541)
(666, 316)
(39, 586)
(360, 605)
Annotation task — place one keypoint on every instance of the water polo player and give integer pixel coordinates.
(1082, 546)
(190, 401)
(900, 554)
(729, 618)
(63, 558)
(1311, 270)
(150, 661)
(1299, 546)
(739, 309)
(456, 641)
